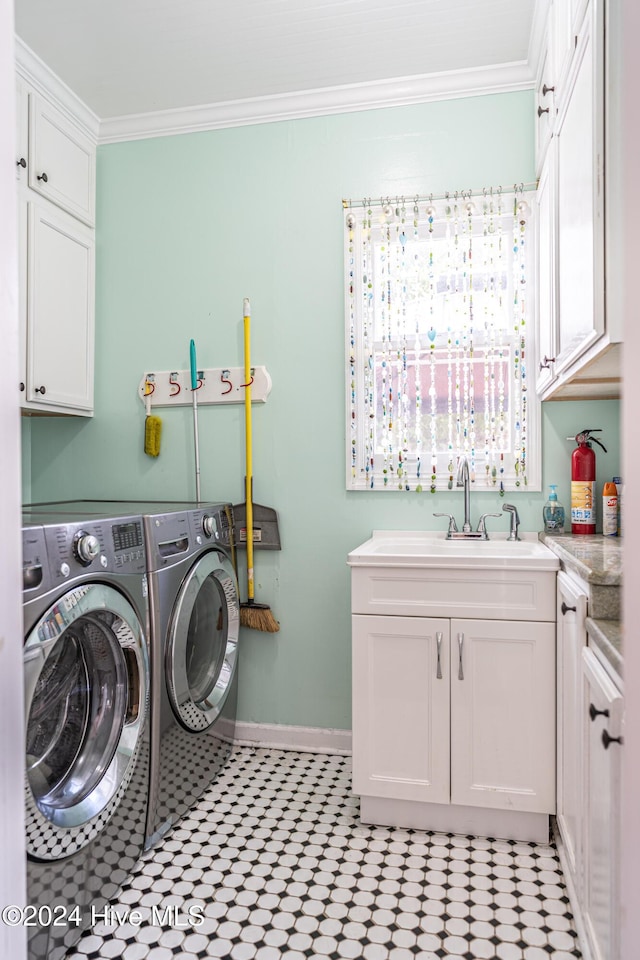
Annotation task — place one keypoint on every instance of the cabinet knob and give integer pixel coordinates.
(21, 386)
(541, 110)
(594, 712)
(41, 390)
(606, 739)
(544, 363)
(546, 89)
(565, 608)
(43, 177)
(21, 162)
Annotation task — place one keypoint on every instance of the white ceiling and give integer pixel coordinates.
(124, 57)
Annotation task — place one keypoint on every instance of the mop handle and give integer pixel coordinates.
(194, 388)
(246, 312)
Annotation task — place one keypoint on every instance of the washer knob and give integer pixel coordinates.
(86, 547)
(208, 525)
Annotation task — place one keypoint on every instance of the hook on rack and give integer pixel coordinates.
(250, 381)
(173, 382)
(224, 378)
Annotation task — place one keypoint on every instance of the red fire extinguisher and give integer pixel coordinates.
(583, 482)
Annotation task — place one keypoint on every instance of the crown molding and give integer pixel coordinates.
(45, 82)
(403, 91)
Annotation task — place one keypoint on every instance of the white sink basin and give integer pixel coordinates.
(432, 549)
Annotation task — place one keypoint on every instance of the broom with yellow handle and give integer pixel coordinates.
(258, 616)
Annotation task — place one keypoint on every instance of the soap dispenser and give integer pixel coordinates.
(553, 512)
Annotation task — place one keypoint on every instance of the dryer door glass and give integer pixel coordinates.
(201, 654)
(86, 691)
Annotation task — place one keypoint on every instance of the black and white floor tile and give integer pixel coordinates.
(275, 864)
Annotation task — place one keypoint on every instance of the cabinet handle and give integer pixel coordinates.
(41, 390)
(438, 648)
(21, 162)
(21, 386)
(544, 363)
(43, 177)
(542, 110)
(546, 89)
(460, 645)
(566, 609)
(606, 739)
(593, 712)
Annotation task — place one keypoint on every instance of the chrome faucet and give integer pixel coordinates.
(515, 521)
(462, 480)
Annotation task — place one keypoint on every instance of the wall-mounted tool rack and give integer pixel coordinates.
(172, 388)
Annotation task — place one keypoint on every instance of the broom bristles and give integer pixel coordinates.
(258, 616)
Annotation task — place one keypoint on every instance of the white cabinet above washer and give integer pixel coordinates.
(62, 160)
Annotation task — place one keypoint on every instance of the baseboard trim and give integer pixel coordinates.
(284, 737)
(454, 818)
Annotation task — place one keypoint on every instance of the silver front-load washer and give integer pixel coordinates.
(87, 718)
(195, 623)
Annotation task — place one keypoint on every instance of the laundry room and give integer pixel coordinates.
(202, 211)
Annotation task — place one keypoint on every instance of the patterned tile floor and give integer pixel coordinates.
(275, 863)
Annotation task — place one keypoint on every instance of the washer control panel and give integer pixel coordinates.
(94, 546)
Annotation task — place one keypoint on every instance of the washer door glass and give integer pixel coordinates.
(203, 640)
(86, 688)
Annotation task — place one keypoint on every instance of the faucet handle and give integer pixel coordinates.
(453, 526)
(482, 528)
(515, 520)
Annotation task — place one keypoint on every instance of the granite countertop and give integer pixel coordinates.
(595, 558)
(607, 636)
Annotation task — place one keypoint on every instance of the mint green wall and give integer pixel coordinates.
(188, 226)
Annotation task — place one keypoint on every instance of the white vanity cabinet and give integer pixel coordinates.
(55, 167)
(453, 690)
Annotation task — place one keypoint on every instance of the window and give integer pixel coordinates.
(439, 298)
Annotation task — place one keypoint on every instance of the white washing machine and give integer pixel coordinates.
(195, 623)
(87, 717)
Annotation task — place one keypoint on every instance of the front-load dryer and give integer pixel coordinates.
(195, 623)
(87, 718)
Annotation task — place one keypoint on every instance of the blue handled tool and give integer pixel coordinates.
(194, 394)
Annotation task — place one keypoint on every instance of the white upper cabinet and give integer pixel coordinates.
(60, 311)
(55, 168)
(22, 130)
(580, 198)
(579, 340)
(546, 302)
(61, 160)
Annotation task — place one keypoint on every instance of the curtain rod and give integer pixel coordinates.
(448, 195)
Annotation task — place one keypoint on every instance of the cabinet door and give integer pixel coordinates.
(60, 311)
(571, 639)
(22, 130)
(401, 708)
(503, 715)
(580, 203)
(546, 201)
(545, 106)
(602, 718)
(62, 160)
